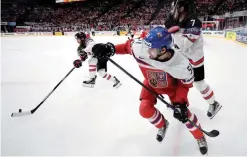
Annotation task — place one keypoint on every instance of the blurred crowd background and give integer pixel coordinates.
(109, 15)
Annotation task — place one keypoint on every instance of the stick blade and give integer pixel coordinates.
(20, 114)
(213, 133)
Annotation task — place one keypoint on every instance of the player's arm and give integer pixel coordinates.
(89, 47)
(180, 101)
(83, 56)
(81, 53)
(143, 35)
(103, 51)
(124, 48)
(191, 32)
(181, 70)
(181, 92)
(182, 89)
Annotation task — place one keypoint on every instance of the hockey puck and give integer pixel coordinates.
(20, 110)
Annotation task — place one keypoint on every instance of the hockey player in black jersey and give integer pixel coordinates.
(87, 49)
(186, 31)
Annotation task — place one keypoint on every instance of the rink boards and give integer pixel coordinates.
(235, 36)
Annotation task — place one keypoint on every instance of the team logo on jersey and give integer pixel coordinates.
(157, 79)
(195, 31)
(159, 35)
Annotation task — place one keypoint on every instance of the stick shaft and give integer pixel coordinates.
(33, 110)
(153, 92)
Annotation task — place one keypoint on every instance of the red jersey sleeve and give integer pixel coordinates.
(143, 35)
(124, 48)
(88, 35)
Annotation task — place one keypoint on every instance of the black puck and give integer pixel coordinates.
(20, 110)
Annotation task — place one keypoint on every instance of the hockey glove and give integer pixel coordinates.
(77, 63)
(103, 51)
(111, 49)
(180, 112)
(98, 51)
(82, 54)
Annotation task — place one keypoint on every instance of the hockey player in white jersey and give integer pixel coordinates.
(165, 72)
(87, 49)
(186, 29)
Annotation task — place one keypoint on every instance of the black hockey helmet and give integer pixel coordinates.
(80, 35)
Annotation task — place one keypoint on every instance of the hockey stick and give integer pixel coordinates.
(20, 113)
(213, 133)
(175, 7)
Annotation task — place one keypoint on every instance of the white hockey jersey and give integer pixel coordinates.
(178, 66)
(190, 41)
(89, 43)
(161, 75)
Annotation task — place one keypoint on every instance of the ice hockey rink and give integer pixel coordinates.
(77, 120)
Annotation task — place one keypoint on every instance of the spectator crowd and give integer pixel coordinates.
(102, 15)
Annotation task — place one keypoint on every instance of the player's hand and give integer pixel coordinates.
(77, 63)
(82, 55)
(174, 29)
(180, 112)
(103, 51)
(111, 49)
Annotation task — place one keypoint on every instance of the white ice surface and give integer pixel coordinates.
(104, 121)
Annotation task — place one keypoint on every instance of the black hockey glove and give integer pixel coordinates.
(111, 49)
(82, 54)
(77, 63)
(103, 51)
(180, 112)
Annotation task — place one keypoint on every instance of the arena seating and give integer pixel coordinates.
(104, 15)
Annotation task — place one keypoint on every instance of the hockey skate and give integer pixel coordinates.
(213, 109)
(162, 132)
(89, 83)
(202, 144)
(117, 83)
